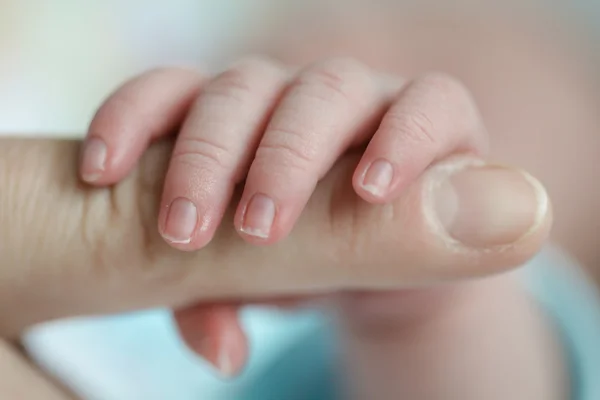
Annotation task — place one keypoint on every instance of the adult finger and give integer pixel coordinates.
(97, 250)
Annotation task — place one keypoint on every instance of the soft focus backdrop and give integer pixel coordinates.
(59, 59)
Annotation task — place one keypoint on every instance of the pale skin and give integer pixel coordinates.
(404, 359)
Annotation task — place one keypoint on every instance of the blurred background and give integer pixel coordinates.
(59, 59)
(531, 64)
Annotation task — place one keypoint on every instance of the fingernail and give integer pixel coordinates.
(378, 178)
(219, 353)
(259, 217)
(93, 161)
(182, 218)
(482, 206)
(216, 356)
(225, 358)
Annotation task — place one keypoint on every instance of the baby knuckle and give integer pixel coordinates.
(287, 154)
(165, 72)
(413, 125)
(336, 78)
(202, 153)
(445, 88)
(257, 65)
(234, 84)
(241, 79)
(455, 110)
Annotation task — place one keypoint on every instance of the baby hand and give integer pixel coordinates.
(280, 131)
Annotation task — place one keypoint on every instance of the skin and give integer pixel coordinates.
(21, 380)
(448, 351)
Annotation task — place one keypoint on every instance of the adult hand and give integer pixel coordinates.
(67, 249)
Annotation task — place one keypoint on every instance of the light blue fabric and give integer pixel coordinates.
(139, 356)
(573, 301)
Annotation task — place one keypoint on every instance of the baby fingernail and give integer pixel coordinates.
(93, 161)
(258, 217)
(182, 218)
(378, 178)
(225, 359)
(484, 206)
(220, 353)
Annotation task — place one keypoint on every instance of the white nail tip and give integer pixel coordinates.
(176, 241)
(374, 190)
(91, 177)
(543, 202)
(255, 232)
(225, 363)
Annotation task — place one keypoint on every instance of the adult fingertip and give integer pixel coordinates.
(476, 205)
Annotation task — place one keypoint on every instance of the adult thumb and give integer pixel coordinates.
(67, 249)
